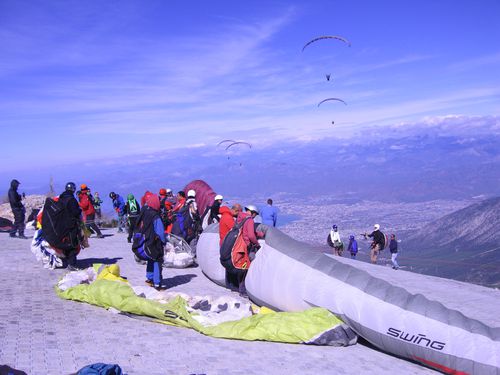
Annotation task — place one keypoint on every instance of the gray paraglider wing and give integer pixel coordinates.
(327, 37)
(330, 99)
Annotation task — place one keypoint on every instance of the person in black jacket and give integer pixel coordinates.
(16, 204)
(75, 217)
(378, 243)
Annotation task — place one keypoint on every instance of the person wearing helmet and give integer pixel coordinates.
(353, 246)
(18, 210)
(214, 210)
(87, 206)
(119, 206)
(378, 243)
(269, 214)
(74, 224)
(334, 241)
(249, 236)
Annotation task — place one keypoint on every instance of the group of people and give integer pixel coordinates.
(378, 244)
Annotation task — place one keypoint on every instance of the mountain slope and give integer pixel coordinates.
(464, 245)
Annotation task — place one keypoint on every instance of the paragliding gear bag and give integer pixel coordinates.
(234, 250)
(146, 244)
(60, 229)
(335, 244)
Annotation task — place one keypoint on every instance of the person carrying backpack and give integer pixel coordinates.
(187, 220)
(132, 210)
(378, 243)
(149, 241)
(62, 224)
(334, 241)
(87, 206)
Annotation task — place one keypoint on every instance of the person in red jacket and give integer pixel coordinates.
(87, 205)
(227, 219)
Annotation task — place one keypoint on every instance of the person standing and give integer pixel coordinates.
(393, 247)
(227, 219)
(378, 243)
(150, 225)
(87, 206)
(18, 209)
(73, 224)
(269, 214)
(97, 206)
(215, 210)
(119, 206)
(132, 210)
(334, 241)
(353, 246)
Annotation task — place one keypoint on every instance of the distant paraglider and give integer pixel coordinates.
(225, 141)
(328, 77)
(327, 37)
(330, 99)
(238, 143)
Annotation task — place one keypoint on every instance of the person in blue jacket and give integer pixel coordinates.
(353, 246)
(119, 206)
(269, 214)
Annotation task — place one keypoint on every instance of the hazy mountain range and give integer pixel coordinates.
(454, 158)
(464, 245)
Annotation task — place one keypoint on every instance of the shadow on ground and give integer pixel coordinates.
(178, 280)
(89, 262)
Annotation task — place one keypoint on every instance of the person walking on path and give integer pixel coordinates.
(73, 224)
(119, 206)
(393, 247)
(18, 209)
(132, 210)
(269, 214)
(87, 206)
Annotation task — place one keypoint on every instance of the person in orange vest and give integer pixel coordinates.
(86, 203)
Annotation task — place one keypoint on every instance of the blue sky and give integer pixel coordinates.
(97, 79)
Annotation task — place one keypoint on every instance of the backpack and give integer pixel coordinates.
(59, 228)
(233, 249)
(133, 209)
(186, 226)
(146, 244)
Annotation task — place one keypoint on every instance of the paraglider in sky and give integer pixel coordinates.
(225, 141)
(329, 99)
(333, 122)
(328, 77)
(238, 143)
(327, 37)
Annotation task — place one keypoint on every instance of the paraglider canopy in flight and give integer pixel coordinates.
(329, 99)
(225, 141)
(327, 37)
(238, 143)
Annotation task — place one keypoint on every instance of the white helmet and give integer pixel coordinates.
(169, 191)
(252, 208)
(191, 193)
(376, 227)
(218, 197)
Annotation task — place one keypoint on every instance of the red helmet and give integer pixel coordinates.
(163, 191)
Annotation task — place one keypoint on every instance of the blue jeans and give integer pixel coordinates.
(153, 272)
